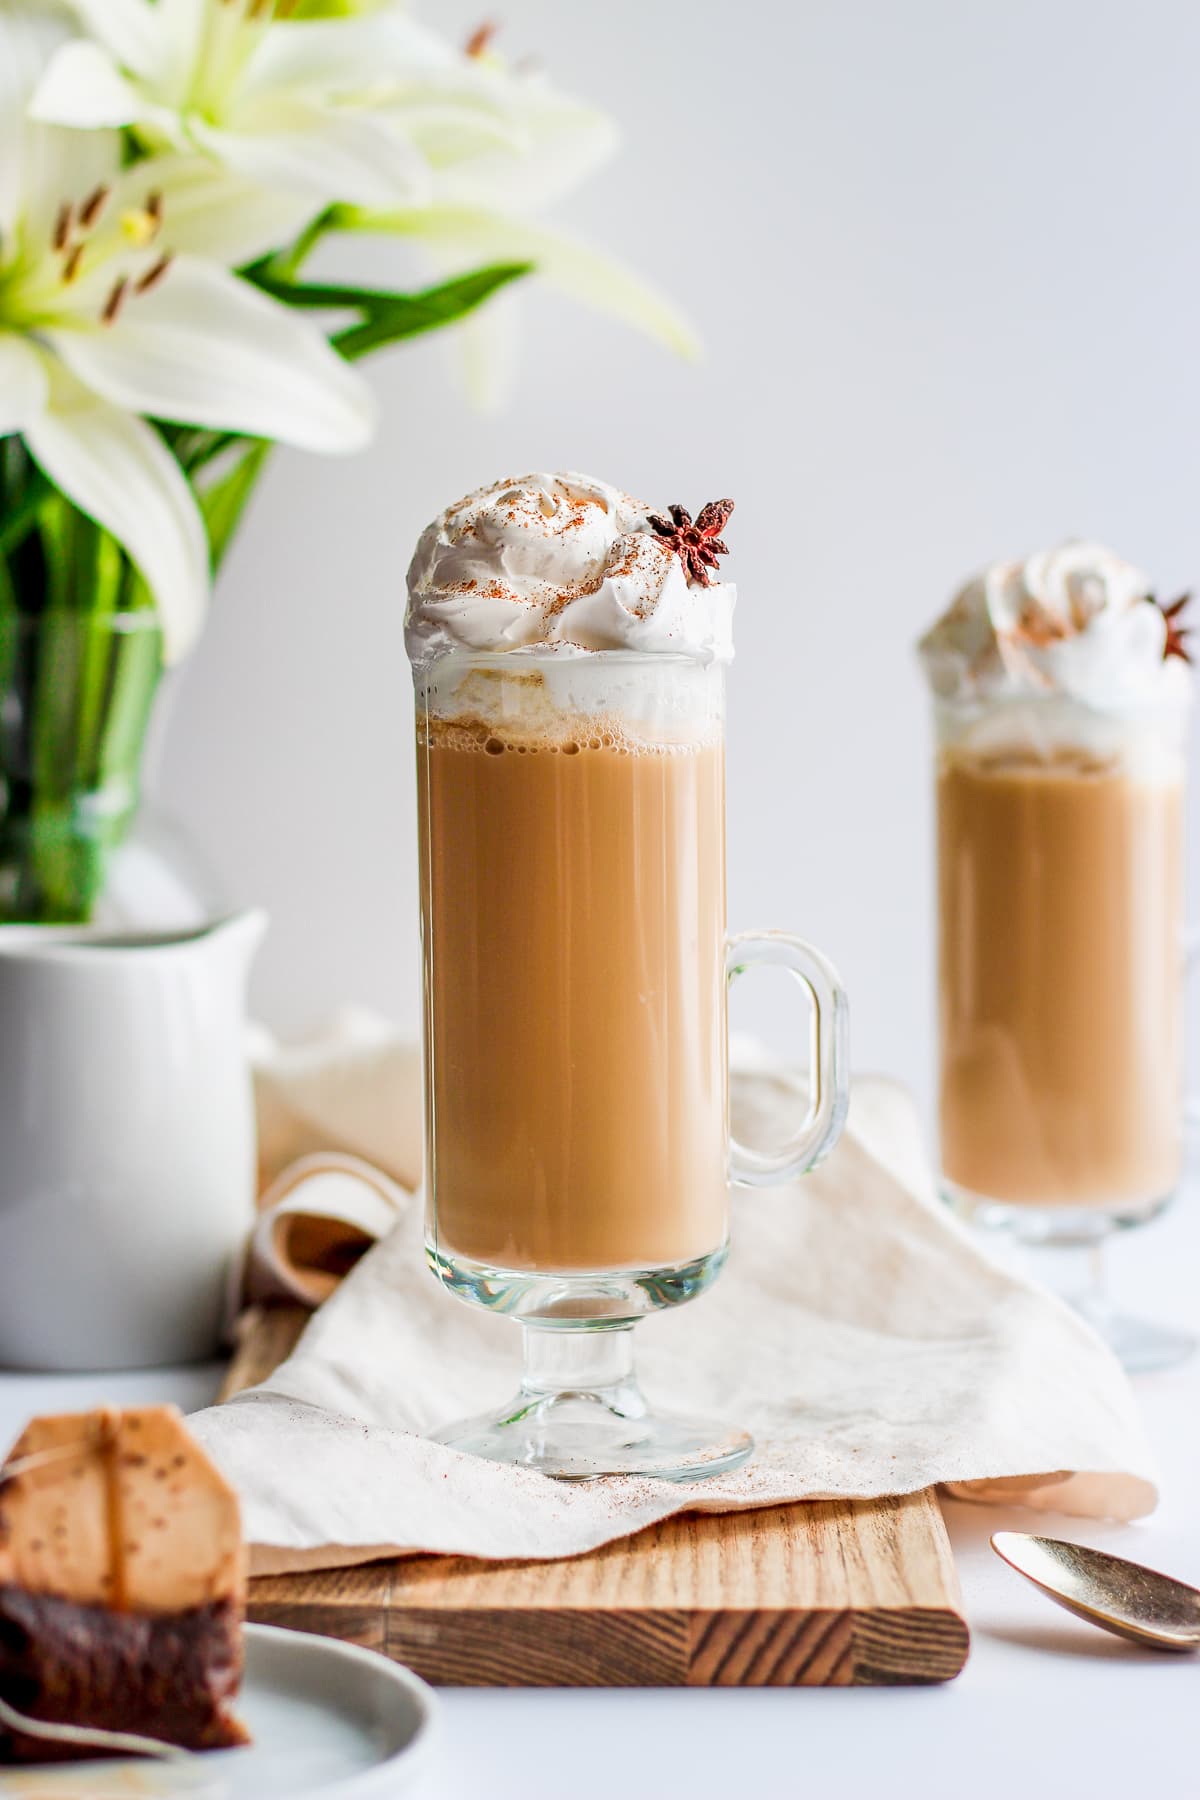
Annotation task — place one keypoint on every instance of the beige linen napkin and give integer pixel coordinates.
(857, 1330)
(339, 1152)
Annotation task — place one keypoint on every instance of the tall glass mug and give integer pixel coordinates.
(578, 1153)
(1061, 933)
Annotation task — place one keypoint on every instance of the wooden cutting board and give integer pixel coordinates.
(845, 1593)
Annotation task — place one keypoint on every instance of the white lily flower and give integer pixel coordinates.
(359, 104)
(107, 312)
(301, 105)
(352, 101)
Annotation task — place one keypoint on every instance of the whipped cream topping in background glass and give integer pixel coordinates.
(1062, 652)
(1076, 621)
(558, 564)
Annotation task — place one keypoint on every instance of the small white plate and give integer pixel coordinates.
(328, 1720)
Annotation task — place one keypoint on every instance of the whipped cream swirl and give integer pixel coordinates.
(558, 562)
(1076, 622)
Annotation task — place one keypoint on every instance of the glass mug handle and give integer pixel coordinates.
(828, 1051)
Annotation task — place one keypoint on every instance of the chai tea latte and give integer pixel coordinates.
(1061, 921)
(573, 909)
(569, 648)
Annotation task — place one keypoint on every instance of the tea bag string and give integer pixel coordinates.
(39, 1459)
(88, 1737)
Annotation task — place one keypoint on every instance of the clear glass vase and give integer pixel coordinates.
(78, 689)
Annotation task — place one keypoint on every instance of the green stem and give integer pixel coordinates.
(21, 515)
(78, 690)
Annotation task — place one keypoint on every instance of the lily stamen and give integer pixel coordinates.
(154, 275)
(62, 226)
(479, 42)
(112, 305)
(93, 206)
(71, 266)
(142, 225)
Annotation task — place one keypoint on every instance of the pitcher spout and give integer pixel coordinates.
(239, 936)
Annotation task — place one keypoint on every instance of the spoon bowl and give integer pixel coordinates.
(1109, 1591)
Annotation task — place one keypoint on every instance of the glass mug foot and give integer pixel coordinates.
(1069, 1241)
(580, 1414)
(1139, 1345)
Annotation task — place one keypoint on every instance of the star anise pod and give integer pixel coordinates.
(699, 544)
(1177, 632)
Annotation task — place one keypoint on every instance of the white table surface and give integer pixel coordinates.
(1046, 1705)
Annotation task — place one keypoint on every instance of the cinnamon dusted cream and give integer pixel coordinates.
(1077, 622)
(558, 564)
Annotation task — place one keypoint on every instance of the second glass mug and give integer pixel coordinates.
(575, 958)
(1062, 955)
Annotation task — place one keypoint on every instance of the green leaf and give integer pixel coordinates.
(388, 317)
(222, 503)
(319, 293)
(409, 314)
(455, 232)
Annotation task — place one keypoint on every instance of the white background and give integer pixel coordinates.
(944, 257)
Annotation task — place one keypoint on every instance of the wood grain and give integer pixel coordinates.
(830, 1593)
(265, 1336)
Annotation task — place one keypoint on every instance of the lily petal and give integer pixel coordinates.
(62, 165)
(28, 40)
(487, 345)
(451, 129)
(30, 32)
(23, 383)
(562, 142)
(464, 235)
(351, 55)
(210, 211)
(118, 470)
(129, 29)
(329, 155)
(83, 87)
(204, 348)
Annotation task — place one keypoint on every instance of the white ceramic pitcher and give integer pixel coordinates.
(126, 1142)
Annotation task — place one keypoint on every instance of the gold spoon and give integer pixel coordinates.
(1108, 1591)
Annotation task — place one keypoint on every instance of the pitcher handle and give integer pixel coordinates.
(828, 1058)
